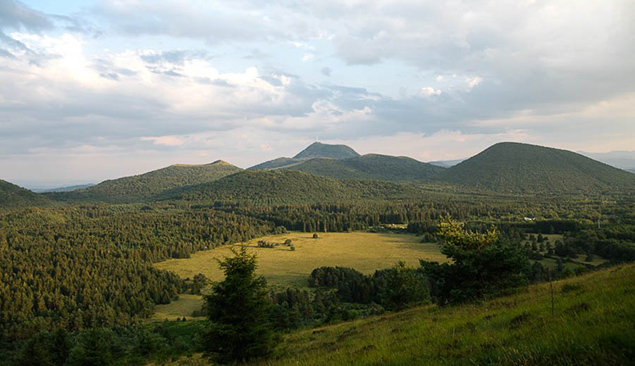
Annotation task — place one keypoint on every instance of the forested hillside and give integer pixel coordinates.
(371, 166)
(13, 196)
(141, 187)
(320, 150)
(290, 186)
(523, 168)
(77, 268)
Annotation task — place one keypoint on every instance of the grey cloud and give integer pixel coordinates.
(173, 57)
(16, 15)
(326, 71)
(184, 21)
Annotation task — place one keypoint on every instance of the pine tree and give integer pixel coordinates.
(239, 312)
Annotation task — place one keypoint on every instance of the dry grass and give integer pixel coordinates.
(366, 252)
(184, 306)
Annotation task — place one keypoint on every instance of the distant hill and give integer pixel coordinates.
(619, 159)
(286, 186)
(63, 189)
(144, 186)
(522, 168)
(313, 151)
(446, 163)
(371, 166)
(320, 150)
(13, 196)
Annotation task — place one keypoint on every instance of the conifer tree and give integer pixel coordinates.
(239, 311)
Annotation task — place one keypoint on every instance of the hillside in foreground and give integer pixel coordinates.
(522, 168)
(593, 323)
(144, 186)
(13, 197)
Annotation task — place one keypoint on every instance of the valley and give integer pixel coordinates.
(336, 236)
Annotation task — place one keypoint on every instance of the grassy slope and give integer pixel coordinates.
(14, 197)
(371, 166)
(515, 167)
(593, 323)
(144, 186)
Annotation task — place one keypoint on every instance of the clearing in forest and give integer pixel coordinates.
(282, 266)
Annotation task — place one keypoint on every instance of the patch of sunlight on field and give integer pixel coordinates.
(365, 252)
(184, 306)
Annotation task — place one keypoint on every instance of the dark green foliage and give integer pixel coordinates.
(279, 187)
(522, 168)
(371, 166)
(198, 282)
(239, 311)
(401, 287)
(144, 186)
(87, 267)
(394, 288)
(14, 197)
(482, 265)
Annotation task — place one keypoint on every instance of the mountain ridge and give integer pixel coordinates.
(146, 185)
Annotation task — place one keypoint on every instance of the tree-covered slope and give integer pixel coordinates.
(320, 150)
(13, 196)
(371, 166)
(287, 186)
(522, 168)
(144, 186)
(275, 164)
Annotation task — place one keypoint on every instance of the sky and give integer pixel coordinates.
(95, 90)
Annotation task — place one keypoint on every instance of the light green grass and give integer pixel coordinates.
(593, 324)
(365, 252)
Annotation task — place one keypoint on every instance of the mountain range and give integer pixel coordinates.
(333, 172)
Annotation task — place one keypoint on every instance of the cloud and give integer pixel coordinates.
(209, 77)
(15, 15)
(429, 91)
(165, 140)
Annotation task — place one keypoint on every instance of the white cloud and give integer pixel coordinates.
(429, 91)
(473, 81)
(165, 140)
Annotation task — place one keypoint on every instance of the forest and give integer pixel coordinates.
(80, 272)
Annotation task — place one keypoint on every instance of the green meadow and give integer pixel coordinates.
(283, 267)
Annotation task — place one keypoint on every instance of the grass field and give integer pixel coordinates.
(183, 307)
(282, 267)
(366, 252)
